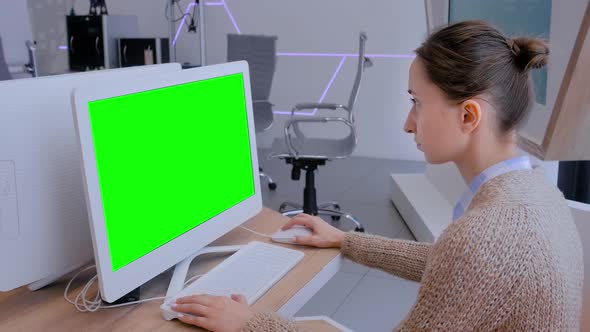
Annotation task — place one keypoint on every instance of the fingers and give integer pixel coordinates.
(300, 219)
(191, 308)
(292, 222)
(303, 216)
(239, 298)
(195, 320)
(198, 299)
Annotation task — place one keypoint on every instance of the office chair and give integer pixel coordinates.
(260, 53)
(309, 153)
(4, 72)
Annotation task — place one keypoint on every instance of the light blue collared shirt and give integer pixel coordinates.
(514, 164)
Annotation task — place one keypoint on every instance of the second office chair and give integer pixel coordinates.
(307, 154)
(260, 53)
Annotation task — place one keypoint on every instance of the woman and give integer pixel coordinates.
(511, 259)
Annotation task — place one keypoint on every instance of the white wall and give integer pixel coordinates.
(328, 26)
(15, 29)
(49, 30)
(393, 27)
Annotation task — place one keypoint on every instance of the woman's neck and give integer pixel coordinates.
(476, 160)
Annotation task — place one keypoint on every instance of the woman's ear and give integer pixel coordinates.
(471, 114)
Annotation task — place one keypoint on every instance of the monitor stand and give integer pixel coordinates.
(181, 269)
(178, 276)
(133, 296)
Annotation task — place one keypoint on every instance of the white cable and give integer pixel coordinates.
(255, 232)
(83, 304)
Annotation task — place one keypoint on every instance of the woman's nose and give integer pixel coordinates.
(409, 126)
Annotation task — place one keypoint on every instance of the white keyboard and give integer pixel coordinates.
(251, 272)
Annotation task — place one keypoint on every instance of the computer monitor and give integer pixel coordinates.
(170, 165)
(43, 220)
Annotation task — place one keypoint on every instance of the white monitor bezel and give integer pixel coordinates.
(115, 284)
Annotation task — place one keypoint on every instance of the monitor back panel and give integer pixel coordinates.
(44, 226)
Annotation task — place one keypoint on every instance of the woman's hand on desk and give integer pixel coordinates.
(214, 313)
(324, 235)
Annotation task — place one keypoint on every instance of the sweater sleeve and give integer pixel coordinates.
(265, 321)
(402, 258)
(475, 275)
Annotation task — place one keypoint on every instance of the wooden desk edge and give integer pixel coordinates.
(46, 308)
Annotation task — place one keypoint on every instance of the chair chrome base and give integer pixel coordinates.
(271, 184)
(334, 213)
(310, 205)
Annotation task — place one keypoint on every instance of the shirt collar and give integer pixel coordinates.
(514, 164)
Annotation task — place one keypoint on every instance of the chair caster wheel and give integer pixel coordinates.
(359, 229)
(272, 186)
(335, 218)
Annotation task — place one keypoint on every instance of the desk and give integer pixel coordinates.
(320, 323)
(46, 310)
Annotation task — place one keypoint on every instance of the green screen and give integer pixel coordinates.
(168, 160)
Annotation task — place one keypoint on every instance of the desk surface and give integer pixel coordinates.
(47, 310)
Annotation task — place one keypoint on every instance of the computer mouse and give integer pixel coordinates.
(288, 236)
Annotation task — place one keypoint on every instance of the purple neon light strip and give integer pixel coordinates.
(331, 81)
(63, 47)
(192, 4)
(231, 17)
(323, 94)
(188, 8)
(390, 56)
(343, 56)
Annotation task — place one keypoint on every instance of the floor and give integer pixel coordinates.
(360, 298)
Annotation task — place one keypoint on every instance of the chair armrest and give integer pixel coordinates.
(291, 121)
(261, 101)
(294, 121)
(307, 106)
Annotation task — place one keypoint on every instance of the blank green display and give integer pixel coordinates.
(168, 160)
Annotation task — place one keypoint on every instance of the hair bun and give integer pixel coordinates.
(529, 52)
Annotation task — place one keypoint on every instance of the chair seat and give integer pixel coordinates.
(315, 148)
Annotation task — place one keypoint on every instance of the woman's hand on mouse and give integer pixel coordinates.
(214, 313)
(323, 235)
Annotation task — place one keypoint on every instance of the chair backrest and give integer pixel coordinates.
(363, 63)
(260, 52)
(4, 73)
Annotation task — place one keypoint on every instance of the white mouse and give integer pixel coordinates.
(288, 236)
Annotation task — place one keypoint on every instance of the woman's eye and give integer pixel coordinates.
(413, 101)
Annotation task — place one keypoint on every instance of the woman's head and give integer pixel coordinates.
(470, 83)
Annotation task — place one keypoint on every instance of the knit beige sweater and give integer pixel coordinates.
(513, 262)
